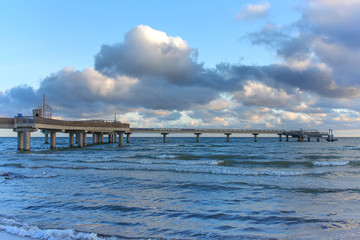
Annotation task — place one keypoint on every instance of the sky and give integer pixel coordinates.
(209, 64)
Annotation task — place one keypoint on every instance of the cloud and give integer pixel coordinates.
(254, 11)
(258, 94)
(149, 52)
(319, 53)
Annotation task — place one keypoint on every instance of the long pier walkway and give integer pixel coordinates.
(115, 130)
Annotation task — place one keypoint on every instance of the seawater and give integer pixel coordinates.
(182, 189)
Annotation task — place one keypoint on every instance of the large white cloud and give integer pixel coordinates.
(149, 52)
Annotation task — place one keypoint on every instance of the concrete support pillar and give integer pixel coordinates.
(128, 137)
(121, 139)
(71, 139)
(308, 139)
(85, 139)
(318, 139)
(94, 138)
(164, 136)
(46, 138)
(27, 139)
(114, 137)
(227, 137)
(287, 138)
(77, 138)
(109, 138)
(53, 140)
(302, 139)
(280, 137)
(101, 138)
(20, 136)
(197, 137)
(81, 139)
(255, 136)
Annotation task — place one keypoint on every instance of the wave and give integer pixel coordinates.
(351, 147)
(16, 165)
(32, 231)
(340, 163)
(165, 156)
(282, 164)
(13, 175)
(188, 166)
(316, 157)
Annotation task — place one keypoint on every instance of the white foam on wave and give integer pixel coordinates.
(176, 162)
(324, 164)
(165, 156)
(31, 231)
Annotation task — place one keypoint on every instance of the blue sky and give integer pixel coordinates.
(242, 64)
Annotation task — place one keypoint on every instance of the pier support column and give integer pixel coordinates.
(53, 140)
(101, 138)
(81, 140)
(94, 138)
(128, 137)
(71, 139)
(27, 140)
(121, 139)
(46, 138)
(287, 138)
(85, 139)
(109, 138)
(164, 136)
(197, 137)
(227, 137)
(280, 137)
(255, 137)
(318, 139)
(114, 138)
(20, 136)
(308, 139)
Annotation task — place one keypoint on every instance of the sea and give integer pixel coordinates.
(182, 189)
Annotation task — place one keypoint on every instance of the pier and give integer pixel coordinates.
(79, 130)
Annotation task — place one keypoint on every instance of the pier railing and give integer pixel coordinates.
(24, 119)
(90, 123)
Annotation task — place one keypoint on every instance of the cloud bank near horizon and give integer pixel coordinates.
(153, 79)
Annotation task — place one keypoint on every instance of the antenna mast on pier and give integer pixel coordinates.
(43, 106)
